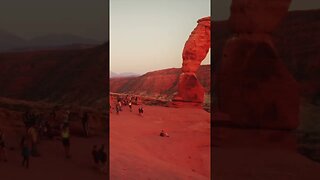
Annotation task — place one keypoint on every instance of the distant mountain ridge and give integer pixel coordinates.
(125, 74)
(158, 84)
(10, 42)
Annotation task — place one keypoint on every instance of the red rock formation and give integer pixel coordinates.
(258, 16)
(194, 52)
(157, 84)
(299, 51)
(254, 87)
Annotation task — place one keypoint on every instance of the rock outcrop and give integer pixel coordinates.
(253, 85)
(194, 52)
(297, 40)
(157, 84)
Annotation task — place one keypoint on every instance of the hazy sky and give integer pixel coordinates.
(29, 18)
(221, 8)
(148, 35)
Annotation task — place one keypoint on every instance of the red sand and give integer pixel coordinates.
(138, 152)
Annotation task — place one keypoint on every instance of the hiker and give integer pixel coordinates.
(141, 111)
(66, 118)
(85, 126)
(164, 134)
(117, 109)
(103, 158)
(25, 152)
(3, 154)
(130, 106)
(32, 134)
(119, 104)
(95, 156)
(65, 135)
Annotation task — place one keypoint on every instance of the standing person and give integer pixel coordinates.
(117, 108)
(130, 106)
(25, 152)
(95, 156)
(119, 104)
(66, 118)
(141, 111)
(103, 158)
(3, 154)
(85, 123)
(65, 135)
(32, 134)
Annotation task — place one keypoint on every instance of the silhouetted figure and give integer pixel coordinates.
(47, 130)
(85, 123)
(164, 134)
(130, 106)
(29, 119)
(141, 111)
(66, 118)
(120, 105)
(117, 109)
(25, 152)
(102, 158)
(95, 156)
(65, 135)
(3, 154)
(33, 136)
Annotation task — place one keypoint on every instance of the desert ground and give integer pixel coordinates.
(259, 155)
(138, 152)
(51, 164)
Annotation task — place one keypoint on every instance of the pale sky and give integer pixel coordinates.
(221, 8)
(147, 35)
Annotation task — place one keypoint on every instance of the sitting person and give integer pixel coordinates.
(164, 134)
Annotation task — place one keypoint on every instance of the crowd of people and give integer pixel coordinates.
(37, 127)
(127, 101)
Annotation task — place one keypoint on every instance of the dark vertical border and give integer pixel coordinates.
(212, 88)
(107, 89)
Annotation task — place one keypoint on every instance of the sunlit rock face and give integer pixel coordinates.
(195, 50)
(253, 85)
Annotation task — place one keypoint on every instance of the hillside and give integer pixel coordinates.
(162, 83)
(297, 40)
(60, 76)
(11, 42)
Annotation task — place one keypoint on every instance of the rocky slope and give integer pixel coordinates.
(59, 76)
(162, 83)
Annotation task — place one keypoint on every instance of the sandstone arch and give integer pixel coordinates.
(195, 50)
(253, 86)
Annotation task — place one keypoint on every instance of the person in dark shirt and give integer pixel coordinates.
(95, 156)
(85, 123)
(103, 158)
(3, 155)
